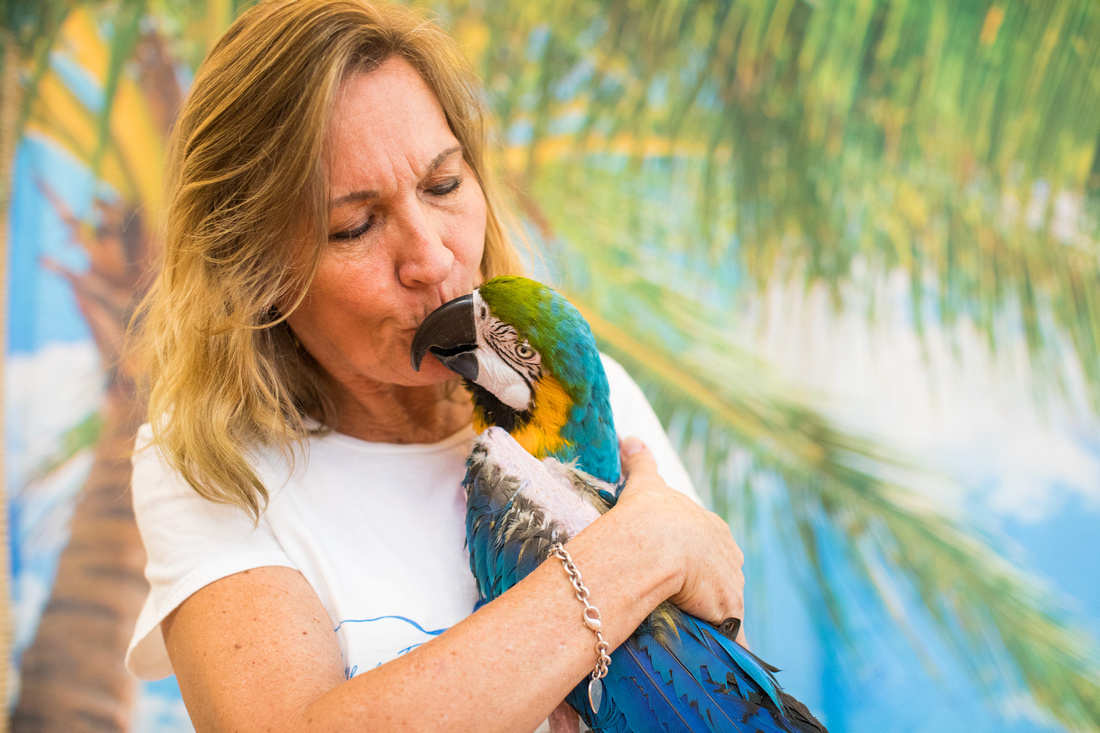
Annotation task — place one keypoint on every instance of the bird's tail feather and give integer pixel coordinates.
(801, 716)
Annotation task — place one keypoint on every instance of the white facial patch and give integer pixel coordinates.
(496, 376)
(506, 365)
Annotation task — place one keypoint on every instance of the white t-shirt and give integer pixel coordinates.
(377, 529)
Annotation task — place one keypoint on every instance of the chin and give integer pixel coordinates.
(431, 372)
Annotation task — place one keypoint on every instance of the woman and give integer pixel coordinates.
(301, 504)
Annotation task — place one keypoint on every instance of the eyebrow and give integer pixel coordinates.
(365, 195)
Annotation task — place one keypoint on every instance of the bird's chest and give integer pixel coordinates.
(556, 498)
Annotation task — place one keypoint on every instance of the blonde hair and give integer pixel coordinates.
(247, 188)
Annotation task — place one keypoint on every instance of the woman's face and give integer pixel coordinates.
(406, 231)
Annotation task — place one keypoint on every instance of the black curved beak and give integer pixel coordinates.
(450, 333)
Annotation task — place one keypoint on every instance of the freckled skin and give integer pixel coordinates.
(418, 242)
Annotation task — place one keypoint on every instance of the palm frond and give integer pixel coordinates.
(76, 439)
(1003, 624)
(59, 116)
(957, 141)
(127, 30)
(662, 304)
(129, 153)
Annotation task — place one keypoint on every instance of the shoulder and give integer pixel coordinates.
(629, 405)
(627, 398)
(635, 416)
(190, 542)
(615, 371)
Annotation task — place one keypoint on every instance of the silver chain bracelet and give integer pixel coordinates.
(591, 618)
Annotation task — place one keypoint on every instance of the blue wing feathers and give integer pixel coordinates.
(692, 678)
(742, 658)
(687, 669)
(667, 709)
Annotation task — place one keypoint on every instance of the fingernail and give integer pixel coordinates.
(631, 445)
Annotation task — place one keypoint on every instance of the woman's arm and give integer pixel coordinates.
(256, 651)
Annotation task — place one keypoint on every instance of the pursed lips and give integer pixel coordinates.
(430, 309)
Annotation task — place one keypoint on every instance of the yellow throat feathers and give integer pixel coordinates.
(541, 436)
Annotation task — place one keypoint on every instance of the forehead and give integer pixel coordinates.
(387, 125)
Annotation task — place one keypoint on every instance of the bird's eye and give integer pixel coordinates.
(524, 351)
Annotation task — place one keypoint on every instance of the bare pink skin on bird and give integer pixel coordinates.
(544, 487)
(544, 481)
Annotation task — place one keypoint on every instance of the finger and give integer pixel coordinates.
(637, 457)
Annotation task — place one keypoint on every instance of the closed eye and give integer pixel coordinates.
(446, 188)
(355, 233)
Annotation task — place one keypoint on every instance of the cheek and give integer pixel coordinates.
(336, 294)
(350, 280)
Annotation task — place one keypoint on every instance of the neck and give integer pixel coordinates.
(591, 432)
(398, 414)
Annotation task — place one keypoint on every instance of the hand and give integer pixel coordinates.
(707, 579)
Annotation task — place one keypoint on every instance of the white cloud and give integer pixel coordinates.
(941, 397)
(46, 506)
(29, 596)
(46, 393)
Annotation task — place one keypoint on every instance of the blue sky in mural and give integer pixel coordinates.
(41, 303)
(1063, 549)
(885, 691)
(1035, 477)
(882, 688)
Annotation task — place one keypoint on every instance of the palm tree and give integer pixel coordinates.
(25, 32)
(72, 676)
(677, 159)
(680, 153)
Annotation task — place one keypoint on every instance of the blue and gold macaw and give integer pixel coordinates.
(545, 465)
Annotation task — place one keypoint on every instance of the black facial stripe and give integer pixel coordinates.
(496, 412)
(526, 370)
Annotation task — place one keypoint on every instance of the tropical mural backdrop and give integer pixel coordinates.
(849, 247)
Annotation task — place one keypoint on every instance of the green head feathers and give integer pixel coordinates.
(531, 361)
(550, 324)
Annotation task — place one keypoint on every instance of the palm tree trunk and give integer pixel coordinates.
(73, 678)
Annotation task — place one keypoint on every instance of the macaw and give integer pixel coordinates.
(545, 465)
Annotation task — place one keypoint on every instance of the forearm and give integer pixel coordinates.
(256, 651)
(508, 665)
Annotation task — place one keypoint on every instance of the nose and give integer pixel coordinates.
(423, 257)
